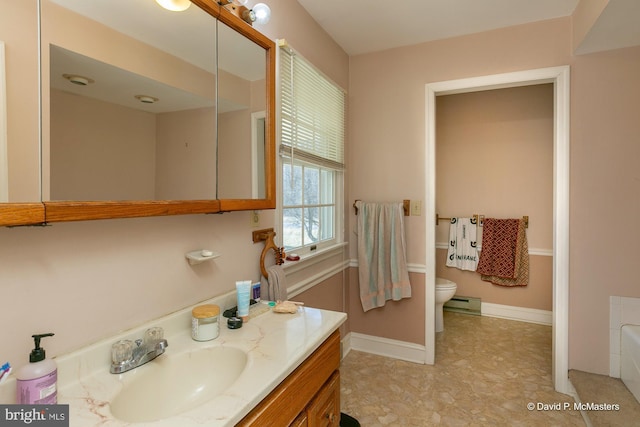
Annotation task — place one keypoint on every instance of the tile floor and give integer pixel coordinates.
(602, 389)
(487, 372)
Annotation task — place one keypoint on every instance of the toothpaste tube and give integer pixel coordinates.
(5, 370)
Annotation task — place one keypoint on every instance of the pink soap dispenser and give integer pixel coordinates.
(37, 381)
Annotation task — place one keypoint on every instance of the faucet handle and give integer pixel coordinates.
(153, 335)
(122, 351)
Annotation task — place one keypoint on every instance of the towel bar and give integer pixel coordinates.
(406, 206)
(478, 218)
(441, 218)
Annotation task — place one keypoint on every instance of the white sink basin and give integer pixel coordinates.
(172, 384)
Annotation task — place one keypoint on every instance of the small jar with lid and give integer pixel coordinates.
(205, 322)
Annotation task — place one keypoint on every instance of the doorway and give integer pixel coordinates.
(559, 77)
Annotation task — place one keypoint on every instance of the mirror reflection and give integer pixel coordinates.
(141, 103)
(242, 102)
(129, 101)
(139, 140)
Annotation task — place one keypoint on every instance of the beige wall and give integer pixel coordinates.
(234, 89)
(584, 17)
(387, 138)
(18, 31)
(234, 149)
(235, 143)
(100, 151)
(186, 154)
(104, 151)
(88, 280)
(494, 157)
(291, 22)
(398, 320)
(387, 125)
(538, 294)
(605, 184)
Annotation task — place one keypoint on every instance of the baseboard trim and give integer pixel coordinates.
(395, 349)
(416, 353)
(522, 314)
(345, 345)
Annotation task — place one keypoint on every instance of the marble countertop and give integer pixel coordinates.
(275, 345)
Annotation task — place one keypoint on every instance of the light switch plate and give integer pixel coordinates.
(254, 218)
(416, 207)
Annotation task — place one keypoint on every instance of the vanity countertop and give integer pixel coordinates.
(275, 344)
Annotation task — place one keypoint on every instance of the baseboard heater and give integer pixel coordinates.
(460, 304)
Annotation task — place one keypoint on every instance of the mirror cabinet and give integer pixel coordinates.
(150, 112)
(246, 115)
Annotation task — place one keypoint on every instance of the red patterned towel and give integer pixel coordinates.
(504, 259)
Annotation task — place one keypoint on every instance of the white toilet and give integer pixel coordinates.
(445, 290)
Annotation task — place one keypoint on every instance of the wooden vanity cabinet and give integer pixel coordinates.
(309, 397)
(301, 421)
(324, 410)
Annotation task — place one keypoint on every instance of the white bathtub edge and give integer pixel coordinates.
(630, 358)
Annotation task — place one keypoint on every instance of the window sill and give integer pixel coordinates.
(312, 258)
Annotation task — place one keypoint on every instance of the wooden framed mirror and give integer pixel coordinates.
(164, 159)
(246, 134)
(246, 112)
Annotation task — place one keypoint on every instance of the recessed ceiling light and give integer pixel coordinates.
(146, 99)
(78, 80)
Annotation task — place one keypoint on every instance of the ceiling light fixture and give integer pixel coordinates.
(260, 13)
(146, 99)
(175, 5)
(78, 80)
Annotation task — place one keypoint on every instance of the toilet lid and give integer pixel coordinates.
(444, 283)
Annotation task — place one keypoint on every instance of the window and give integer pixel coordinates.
(312, 127)
(308, 204)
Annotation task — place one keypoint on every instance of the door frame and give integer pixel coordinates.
(559, 76)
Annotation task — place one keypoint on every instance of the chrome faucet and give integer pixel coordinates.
(125, 356)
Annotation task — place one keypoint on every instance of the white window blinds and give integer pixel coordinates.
(312, 112)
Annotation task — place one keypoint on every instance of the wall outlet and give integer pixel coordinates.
(416, 207)
(254, 218)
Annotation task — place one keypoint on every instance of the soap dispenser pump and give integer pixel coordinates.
(37, 381)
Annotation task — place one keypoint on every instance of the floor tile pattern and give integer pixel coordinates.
(602, 389)
(487, 372)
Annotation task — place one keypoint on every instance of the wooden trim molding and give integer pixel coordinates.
(560, 77)
(13, 214)
(80, 211)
